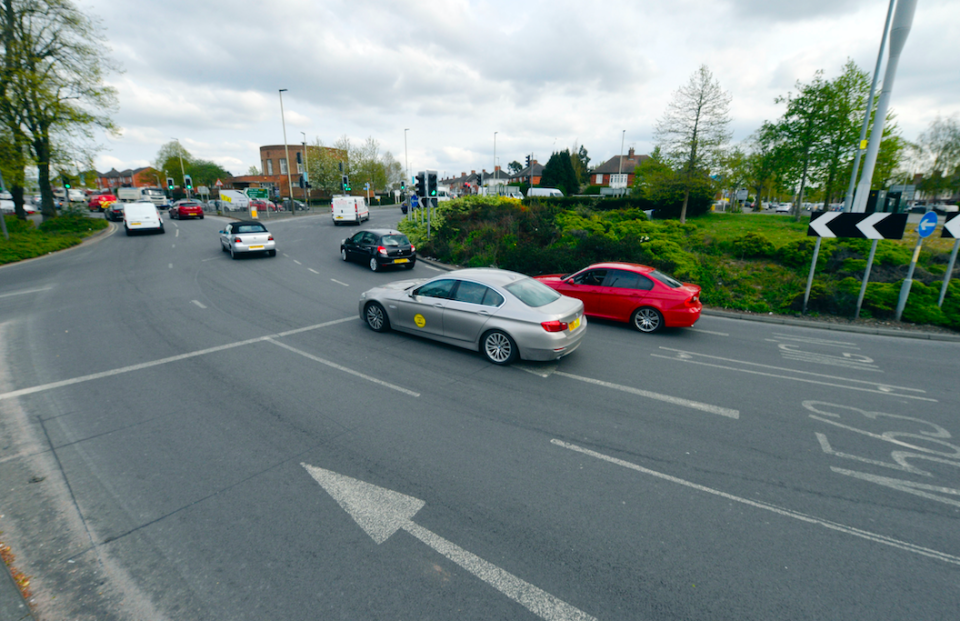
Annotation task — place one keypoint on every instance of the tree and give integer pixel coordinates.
(558, 173)
(693, 129)
(172, 156)
(938, 151)
(734, 170)
(514, 167)
(53, 96)
(765, 162)
(253, 170)
(581, 163)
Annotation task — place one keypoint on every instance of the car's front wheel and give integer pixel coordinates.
(647, 319)
(374, 266)
(343, 254)
(376, 317)
(498, 347)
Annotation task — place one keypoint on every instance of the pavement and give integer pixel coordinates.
(12, 605)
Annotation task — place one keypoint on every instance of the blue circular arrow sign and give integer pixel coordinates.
(928, 224)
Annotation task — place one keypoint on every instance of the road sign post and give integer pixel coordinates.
(951, 228)
(928, 223)
(875, 226)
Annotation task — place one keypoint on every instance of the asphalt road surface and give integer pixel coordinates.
(183, 436)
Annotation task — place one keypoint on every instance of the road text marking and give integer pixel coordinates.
(849, 530)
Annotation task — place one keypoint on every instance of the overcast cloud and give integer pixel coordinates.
(544, 75)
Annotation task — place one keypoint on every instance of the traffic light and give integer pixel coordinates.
(431, 183)
(346, 183)
(301, 182)
(528, 161)
(188, 182)
(421, 187)
(403, 185)
(170, 183)
(66, 182)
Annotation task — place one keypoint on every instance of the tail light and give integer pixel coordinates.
(237, 240)
(413, 248)
(381, 250)
(692, 301)
(270, 238)
(555, 326)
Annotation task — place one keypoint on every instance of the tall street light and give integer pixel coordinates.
(286, 151)
(183, 174)
(495, 176)
(620, 172)
(306, 173)
(406, 163)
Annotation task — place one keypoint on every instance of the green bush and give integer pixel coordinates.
(753, 245)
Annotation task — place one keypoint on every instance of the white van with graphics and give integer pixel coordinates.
(349, 209)
(141, 217)
(548, 192)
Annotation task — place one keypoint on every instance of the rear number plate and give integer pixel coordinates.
(574, 324)
(255, 247)
(401, 260)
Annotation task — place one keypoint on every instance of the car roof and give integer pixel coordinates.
(487, 275)
(382, 232)
(615, 265)
(249, 222)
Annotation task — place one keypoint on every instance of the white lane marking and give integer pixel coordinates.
(815, 341)
(7, 295)
(198, 303)
(147, 365)
(170, 265)
(708, 331)
(177, 233)
(339, 283)
(297, 262)
(849, 530)
(881, 388)
(381, 512)
(313, 270)
(174, 245)
(430, 267)
(696, 405)
(210, 259)
(285, 254)
(338, 367)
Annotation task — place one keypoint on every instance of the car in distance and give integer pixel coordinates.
(379, 248)
(114, 212)
(783, 208)
(502, 314)
(141, 217)
(186, 208)
(99, 202)
(298, 205)
(638, 294)
(245, 237)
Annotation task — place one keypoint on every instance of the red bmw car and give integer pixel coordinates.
(638, 294)
(101, 202)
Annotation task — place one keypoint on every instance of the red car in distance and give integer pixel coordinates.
(638, 294)
(100, 202)
(186, 209)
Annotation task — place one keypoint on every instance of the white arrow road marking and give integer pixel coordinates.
(866, 225)
(381, 512)
(849, 530)
(820, 224)
(696, 405)
(954, 227)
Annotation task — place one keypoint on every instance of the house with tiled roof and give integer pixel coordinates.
(623, 165)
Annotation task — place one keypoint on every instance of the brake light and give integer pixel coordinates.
(692, 301)
(555, 326)
(413, 248)
(270, 238)
(237, 240)
(381, 250)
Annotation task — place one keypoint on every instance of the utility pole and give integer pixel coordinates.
(306, 174)
(286, 151)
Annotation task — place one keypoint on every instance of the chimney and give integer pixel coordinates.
(630, 153)
(496, 169)
(473, 172)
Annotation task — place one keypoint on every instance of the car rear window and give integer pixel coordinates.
(251, 228)
(395, 240)
(667, 280)
(532, 292)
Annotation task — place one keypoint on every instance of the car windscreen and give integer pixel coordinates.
(250, 228)
(532, 292)
(395, 240)
(667, 280)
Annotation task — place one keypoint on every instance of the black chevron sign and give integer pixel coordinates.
(860, 225)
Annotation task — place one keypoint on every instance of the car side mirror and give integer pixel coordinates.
(223, 232)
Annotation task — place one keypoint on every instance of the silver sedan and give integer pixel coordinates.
(503, 314)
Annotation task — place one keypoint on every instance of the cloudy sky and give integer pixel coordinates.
(543, 75)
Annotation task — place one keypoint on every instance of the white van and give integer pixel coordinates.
(549, 192)
(232, 200)
(349, 209)
(141, 216)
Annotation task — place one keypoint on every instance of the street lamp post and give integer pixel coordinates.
(306, 174)
(495, 176)
(406, 163)
(620, 172)
(286, 151)
(183, 174)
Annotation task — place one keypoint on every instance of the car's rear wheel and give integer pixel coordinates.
(376, 317)
(647, 319)
(271, 253)
(127, 229)
(498, 347)
(374, 266)
(409, 265)
(233, 254)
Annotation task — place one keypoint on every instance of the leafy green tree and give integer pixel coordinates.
(53, 97)
(693, 129)
(514, 167)
(764, 163)
(938, 150)
(558, 173)
(253, 171)
(580, 161)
